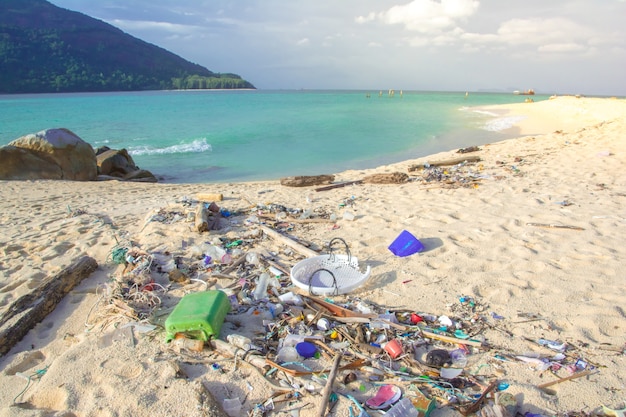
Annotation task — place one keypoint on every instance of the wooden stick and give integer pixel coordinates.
(567, 378)
(210, 197)
(554, 226)
(450, 339)
(224, 276)
(339, 185)
(276, 265)
(290, 220)
(32, 308)
(356, 364)
(202, 218)
(303, 250)
(472, 408)
(328, 388)
(453, 161)
(232, 267)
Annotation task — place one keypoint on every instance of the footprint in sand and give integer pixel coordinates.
(123, 369)
(24, 361)
(35, 280)
(12, 248)
(43, 329)
(16, 284)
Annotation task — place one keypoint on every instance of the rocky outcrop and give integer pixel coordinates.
(59, 154)
(55, 154)
(118, 164)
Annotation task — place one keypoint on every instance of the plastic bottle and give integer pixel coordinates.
(459, 360)
(189, 344)
(348, 216)
(240, 341)
(275, 309)
(253, 258)
(260, 292)
(403, 408)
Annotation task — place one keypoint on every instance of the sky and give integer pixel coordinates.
(551, 46)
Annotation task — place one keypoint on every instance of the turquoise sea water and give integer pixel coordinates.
(223, 136)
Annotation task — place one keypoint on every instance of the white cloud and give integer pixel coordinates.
(426, 16)
(537, 31)
(369, 18)
(303, 41)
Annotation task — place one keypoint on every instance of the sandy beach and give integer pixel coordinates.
(532, 235)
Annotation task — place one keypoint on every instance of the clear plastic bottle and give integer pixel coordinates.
(240, 341)
(403, 408)
(260, 292)
(459, 360)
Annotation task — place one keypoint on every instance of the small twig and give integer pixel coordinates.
(567, 378)
(295, 408)
(235, 264)
(472, 408)
(339, 185)
(554, 226)
(328, 388)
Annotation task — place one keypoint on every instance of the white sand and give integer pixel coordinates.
(479, 244)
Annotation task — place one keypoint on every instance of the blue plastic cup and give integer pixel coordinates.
(406, 244)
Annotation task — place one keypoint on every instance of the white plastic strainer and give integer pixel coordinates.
(329, 274)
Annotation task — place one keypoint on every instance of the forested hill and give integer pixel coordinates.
(45, 49)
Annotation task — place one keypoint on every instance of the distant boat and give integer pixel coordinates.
(529, 92)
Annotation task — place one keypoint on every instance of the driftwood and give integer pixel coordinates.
(339, 185)
(450, 339)
(209, 197)
(303, 250)
(328, 388)
(468, 149)
(475, 406)
(554, 226)
(447, 162)
(290, 220)
(32, 308)
(393, 178)
(202, 218)
(305, 181)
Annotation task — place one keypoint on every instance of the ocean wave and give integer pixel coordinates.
(197, 146)
(502, 123)
(485, 112)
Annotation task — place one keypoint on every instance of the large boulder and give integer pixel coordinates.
(119, 164)
(56, 154)
(22, 164)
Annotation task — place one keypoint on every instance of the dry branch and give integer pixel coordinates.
(32, 308)
(447, 162)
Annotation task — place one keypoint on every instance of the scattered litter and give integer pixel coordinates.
(258, 295)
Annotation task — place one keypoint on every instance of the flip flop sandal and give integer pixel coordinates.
(386, 396)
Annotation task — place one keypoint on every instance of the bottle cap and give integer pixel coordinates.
(306, 349)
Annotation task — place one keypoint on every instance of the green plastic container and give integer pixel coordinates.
(198, 315)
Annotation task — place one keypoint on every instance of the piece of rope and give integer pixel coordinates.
(37, 375)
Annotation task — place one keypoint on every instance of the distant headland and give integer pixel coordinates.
(48, 49)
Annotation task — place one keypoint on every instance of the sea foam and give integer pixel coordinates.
(197, 146)
(502, 123)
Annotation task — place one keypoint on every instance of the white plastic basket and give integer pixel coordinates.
(330, 274)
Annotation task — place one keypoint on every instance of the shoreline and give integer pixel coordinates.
(482, 242)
